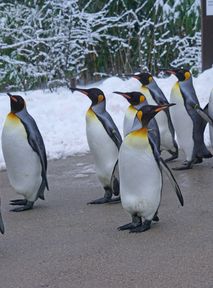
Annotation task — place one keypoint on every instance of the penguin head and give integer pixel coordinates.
(147, 112)
(182, 74)
(134, 98)
(94, 94)
(17, 103)
(145, 78)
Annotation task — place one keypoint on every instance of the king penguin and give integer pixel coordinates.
(188, 123)
(155, 96)
(138, 100)
(104, 141)
(25, 156)
(140, 173)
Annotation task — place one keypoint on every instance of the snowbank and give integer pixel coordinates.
(60, 115)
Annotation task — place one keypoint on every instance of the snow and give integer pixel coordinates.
(60, 115)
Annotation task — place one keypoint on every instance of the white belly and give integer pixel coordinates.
(166, 138)
(22, 163)
(182, 123)
(210, 111)
(103, 149)
(140, 180)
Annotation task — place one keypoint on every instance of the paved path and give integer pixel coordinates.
(64, 243)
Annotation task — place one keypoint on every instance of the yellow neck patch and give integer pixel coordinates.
(12, 119)
(138, 138)
(139, 115)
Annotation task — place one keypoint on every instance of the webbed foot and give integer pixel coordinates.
(136, 221)
(28, 206)
(142, 228)
(18, 202)
(173, 157)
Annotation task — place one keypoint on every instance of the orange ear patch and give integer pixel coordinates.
(100, 98)
(187, 75)
(142, 99)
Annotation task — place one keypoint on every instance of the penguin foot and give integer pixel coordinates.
(173, 157)
(28, 206)
(100, 201)
(128, 226)
(136, 221)
(198, 160)
(142, 228)
(115, 200)
(18, 202)
(187, 165)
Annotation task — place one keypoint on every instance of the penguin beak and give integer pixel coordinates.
(123, 94)
(163, 107)
(168, 71)
(84, 91)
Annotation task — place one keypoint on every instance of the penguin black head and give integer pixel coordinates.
(181, 73)
(145, 78)
(17, 103)
(94, 94)
(147, 112)
(134, 98)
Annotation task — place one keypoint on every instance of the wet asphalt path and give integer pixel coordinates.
(64, 243)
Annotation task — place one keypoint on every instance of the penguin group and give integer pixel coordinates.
(129, 168)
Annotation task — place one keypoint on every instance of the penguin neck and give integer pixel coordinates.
(140, 105)
(99, 108)
(22, 114)
(185, 83)
(137, 125)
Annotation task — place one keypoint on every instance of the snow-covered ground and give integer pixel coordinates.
(60, 115)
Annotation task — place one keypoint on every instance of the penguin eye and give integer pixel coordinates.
(100, 98)
(187, 75)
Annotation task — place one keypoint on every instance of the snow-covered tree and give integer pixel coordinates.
(50, 42)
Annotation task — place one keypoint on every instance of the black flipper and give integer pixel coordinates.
(115, 184)
(172, 180)
(35, 140)
(108, 123)
(1, 224)
(110, 128)
(204, 115)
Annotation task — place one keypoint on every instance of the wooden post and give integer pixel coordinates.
(207, 33)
